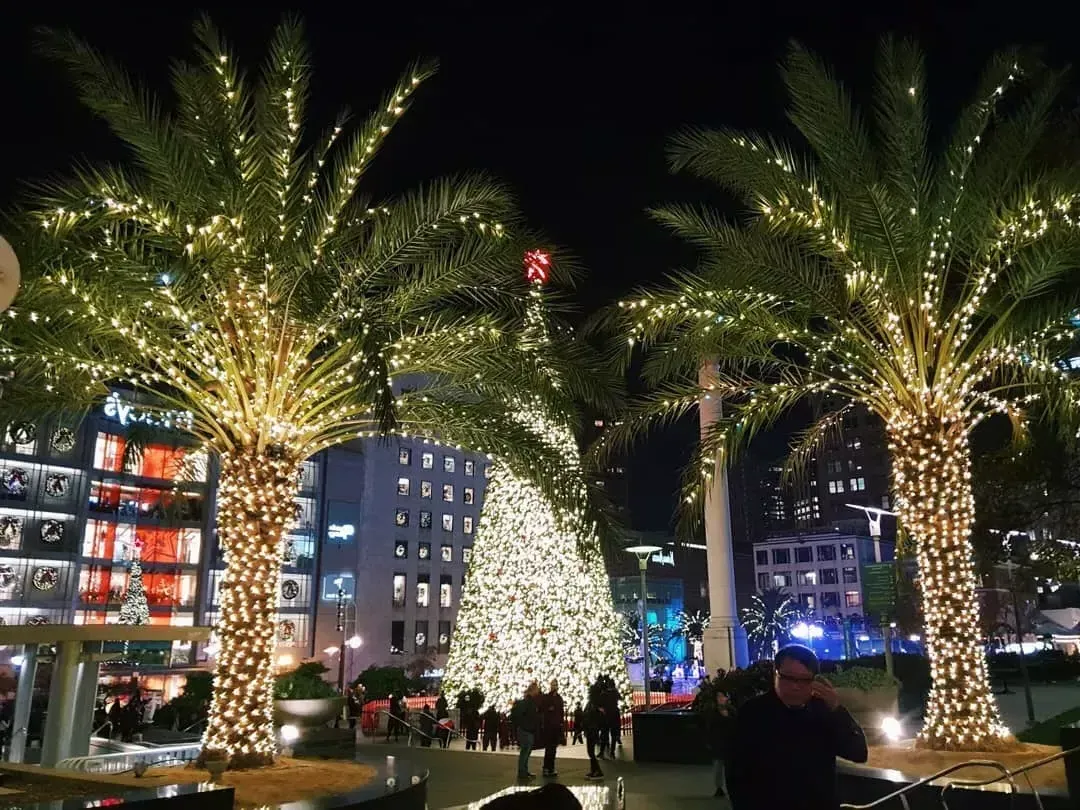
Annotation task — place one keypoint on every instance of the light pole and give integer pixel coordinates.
(1011, 565)
(643, 553)
(873, 517)
(350, 643)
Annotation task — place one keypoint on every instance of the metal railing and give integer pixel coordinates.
(414, 730)
(1003, 774)
(125, 760)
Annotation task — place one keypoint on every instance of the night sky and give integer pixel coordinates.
(571, 107)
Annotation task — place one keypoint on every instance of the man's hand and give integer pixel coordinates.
(824, 691)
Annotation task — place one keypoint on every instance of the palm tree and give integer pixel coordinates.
(234, 271)
(768, 620)
(925, 276)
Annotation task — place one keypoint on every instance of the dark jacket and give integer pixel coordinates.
(593, 718)
(719, 728)
(525, 716)
(552, 718)
(786, 758)
(491, 723)
(442, 709)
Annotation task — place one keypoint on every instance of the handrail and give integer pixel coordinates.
(453, 732)
(1005, 773)
(405, 723)
(902, 792)
(125, 760)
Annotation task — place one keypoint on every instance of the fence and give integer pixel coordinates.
(370, 717)
(125, 760)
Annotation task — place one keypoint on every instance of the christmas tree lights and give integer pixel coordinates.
(928, 286)
(232, 274)
(536, 603)
(134, 609)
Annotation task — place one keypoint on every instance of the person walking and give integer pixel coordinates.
(525, 718)
(427, 726)
(442, 716)
(491, 728)
(796, 730)
(594, 725)
(552, 726)
(579, 730)
(718, 729)
(470, 724)
(613, 714)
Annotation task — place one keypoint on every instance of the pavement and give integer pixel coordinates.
(459, 777)
(1049, 701)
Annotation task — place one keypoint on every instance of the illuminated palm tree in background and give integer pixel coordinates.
(768, 621)
(233, 271)
(928, 279)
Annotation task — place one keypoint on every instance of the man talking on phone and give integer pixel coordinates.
(785, 743)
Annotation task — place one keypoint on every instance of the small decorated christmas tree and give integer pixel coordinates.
(134, 609)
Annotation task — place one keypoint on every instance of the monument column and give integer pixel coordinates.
(724, 638)
(24, 691)
(60, 719)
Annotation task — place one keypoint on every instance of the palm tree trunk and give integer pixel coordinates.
(255, 509)
(932, 480)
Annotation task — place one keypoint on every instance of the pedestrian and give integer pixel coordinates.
(552, 726)
(491, 728)
(579, 719)
(594, 725)
(470, 724)
(797, 729)
(613, 714)
(393, 718)
(525, 718)
(719, 721)
(427, 726)
(442, 716)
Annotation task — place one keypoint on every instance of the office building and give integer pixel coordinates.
(401, 517)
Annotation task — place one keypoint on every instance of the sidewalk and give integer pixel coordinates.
(459, 777)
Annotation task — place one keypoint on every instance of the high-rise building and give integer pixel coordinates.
(401, 516)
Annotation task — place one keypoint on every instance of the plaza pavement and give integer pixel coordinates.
(459, 777)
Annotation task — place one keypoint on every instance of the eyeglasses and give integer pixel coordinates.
(795, 679)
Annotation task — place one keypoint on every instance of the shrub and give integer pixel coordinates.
(863, 678)
(304, 683)
(381, 682)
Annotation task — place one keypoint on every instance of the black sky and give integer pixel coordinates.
(570, 103)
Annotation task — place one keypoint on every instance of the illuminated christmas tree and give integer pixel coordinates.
(134, 609)
(536, 604)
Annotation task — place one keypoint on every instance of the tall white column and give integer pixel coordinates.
(24, 692)
(60, 719)
(724, 639)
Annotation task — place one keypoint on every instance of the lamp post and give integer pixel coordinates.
(349, 643)
(1011, 565)
(643, 553)
(873, 517)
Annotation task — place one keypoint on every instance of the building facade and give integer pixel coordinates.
(401, 517)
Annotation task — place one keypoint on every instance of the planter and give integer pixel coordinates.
(870, 707)
(307, 713)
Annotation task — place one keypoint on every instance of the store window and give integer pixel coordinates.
(425, 489)
(421, 637)
(830, 599)
(466, 554)
(804, 554)
(447, 523)
(781, 579)
(852, 599)
(427, 461)
(404, 456)
(468, 496)
(403, 486)
(423, 551)
(425, 519)
(446, 588)
(448, 464)
(447, 553)
(828, 576)
(764, 582)
(400, 585)
(467, 524)
(761, 556)
(444, 637)
(851, 575)
(448, 493)
(470, 467)
(401, 550)
(401, 517)
(826, 553)
(847, 551)
(781, 556)
(423, 591)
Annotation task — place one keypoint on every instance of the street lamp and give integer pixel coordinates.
(643, 553)
(352, 642)
(1010, 565)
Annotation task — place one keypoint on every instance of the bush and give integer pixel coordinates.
(304, 683)
(913, 672)
(190, 706)
(864, 678)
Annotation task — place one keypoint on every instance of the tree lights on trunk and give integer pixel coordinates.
(932, 481)
(255, 510)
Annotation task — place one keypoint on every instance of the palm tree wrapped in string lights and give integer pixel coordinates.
(234, 272)
(928, 277)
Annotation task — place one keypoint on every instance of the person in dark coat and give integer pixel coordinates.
(525, 719)
(718, 730)
(442, 713)
(427, 726)
(396, 715)
(579, 730)
(612, 714)
(552, 726)
(491, 728)
(785, 743)
(595, 725)
(470, 724)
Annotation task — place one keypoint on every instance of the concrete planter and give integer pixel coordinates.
(869, 708)
(307, 713)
